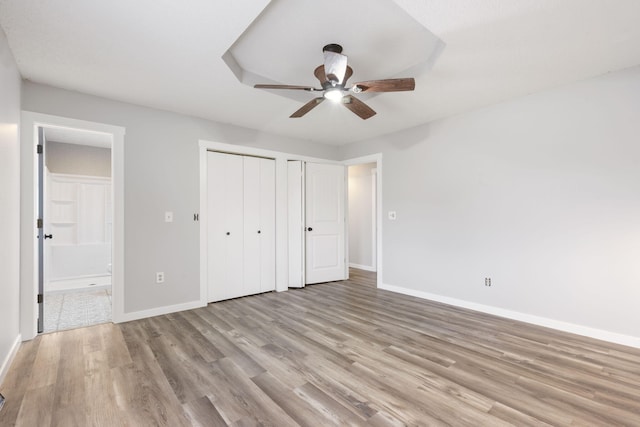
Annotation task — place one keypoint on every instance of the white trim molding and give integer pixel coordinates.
(573, 328)
(6, 363)
(159, 311)
(362, 267)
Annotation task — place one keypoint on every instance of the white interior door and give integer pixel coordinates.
(267, 230)
(259, 225)
(251, 225)
(225, 226)
(295, 222)
(325, 222)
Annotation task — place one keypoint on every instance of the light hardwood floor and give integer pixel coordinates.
(341, 353)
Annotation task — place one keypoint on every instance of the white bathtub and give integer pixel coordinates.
(77, 266)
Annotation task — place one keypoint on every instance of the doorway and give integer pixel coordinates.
(76, 196)
(362, 202)
(316, 222)
(31, 294)
(366, 200)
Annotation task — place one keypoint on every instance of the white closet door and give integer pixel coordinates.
(325, 222)
(267, 225)
(225, 226)
(259, 225)
(295, 219)
(251, 225)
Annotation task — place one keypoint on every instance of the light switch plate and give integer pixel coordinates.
(392, 215)
(168, 217)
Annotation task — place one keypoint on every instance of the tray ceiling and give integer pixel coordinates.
(169, 55)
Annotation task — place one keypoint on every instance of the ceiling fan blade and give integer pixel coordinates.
(387, 85)
(292, 87)
(319, 73)
(307, 107)
(335, 66)
(347, 74)
(358, 107)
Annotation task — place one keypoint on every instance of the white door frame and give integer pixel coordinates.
(377, 159)
(28, 206)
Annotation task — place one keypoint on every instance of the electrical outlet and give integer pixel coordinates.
(487, 281)
(159, 277)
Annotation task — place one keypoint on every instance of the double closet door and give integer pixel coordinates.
(241, 225)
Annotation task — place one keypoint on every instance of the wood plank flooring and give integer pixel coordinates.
(341, 353)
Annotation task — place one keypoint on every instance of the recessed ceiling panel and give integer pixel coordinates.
(284, 43)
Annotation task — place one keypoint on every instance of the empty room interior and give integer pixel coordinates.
(292, 213)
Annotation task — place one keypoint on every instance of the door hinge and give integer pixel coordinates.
(39, 223)
(39, 149)
(40, 298)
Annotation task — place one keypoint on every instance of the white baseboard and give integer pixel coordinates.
(6, 363)
(362, 267)
(586, 331)
(159, 311)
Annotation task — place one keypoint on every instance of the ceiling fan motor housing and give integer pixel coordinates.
(332, 47)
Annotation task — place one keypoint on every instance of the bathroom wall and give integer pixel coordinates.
(78, 159)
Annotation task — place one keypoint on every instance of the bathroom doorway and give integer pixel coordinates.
(76, 196)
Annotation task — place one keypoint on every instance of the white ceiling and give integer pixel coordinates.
(167, 54)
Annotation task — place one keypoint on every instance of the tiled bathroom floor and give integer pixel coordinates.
(78, 308)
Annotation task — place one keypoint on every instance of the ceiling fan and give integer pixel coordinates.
(333, 76)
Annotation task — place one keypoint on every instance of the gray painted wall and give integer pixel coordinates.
(161, 174)
(542, 194)
(78, 159)
(10, 85)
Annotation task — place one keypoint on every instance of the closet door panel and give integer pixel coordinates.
(252, 232)
(225, 228)
(267, 225)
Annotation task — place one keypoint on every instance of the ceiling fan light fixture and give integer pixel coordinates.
(334, 95)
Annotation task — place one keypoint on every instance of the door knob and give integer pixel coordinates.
(309, 229)
(48, 236)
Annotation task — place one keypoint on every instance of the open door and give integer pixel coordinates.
(325, 223)
(40, 226)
